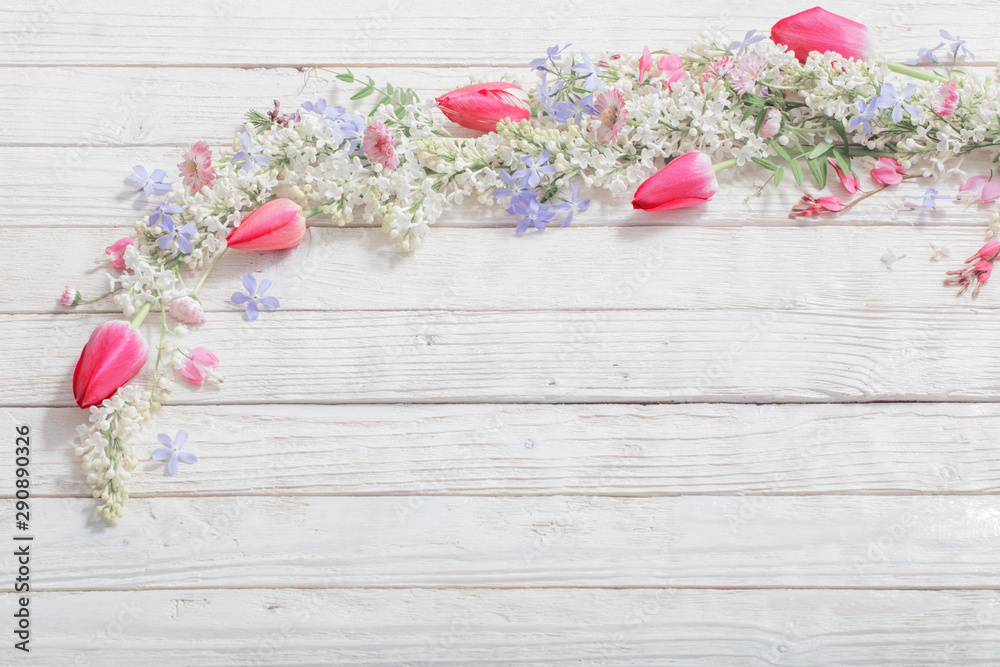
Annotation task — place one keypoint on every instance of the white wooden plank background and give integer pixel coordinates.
(716, 437)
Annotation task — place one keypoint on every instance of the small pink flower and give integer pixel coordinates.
(945, 99)
(819, 30)
(988, 252)
(848, 180)
(611, 114)
(645, 62)
(673, 67)
(196, 167)
(979, 272)
(116, 252)
(70, 297)
(887, 171)
(982, 188)
(380, 146)
(186, 310)
(747, 72)
(810, 206)
(771, 124)
(716, 70)
(199, 366)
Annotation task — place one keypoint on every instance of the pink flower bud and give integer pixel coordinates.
(186, 310)
(887, 171)
(687, 180)
(819, 30)
(277, 225)
(848, 179)
(199, 366)
(112, 357)
(771, 124)
(645, 63)
(988, 251)
(70, 297)
(116, 252)
(483, 105)
(945, 99)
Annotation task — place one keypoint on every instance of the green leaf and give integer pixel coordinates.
(364, 92)
(843, 161)
(400, 113)
(779, 149)
(402, 97)
(761, 117)
(839, 127)
(818, 169)
(388, 89)
(820, 149)
(796, 168)
(347, 77)
(384, 100)
(767, 164)
(778, 175)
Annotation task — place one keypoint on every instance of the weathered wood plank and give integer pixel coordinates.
(633, 628)
(755, 356)
(251, 32)
(938, 541)
(812, 268)
(641, 450)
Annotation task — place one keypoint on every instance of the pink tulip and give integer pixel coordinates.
(112, 357)
(945, 99)
(848, 180)
(888, 171)
(819, 30)
(483, 105)
(688, 180)
(277, 225)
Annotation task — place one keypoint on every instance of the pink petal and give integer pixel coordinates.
(203, 357)
(990, 192)
(193, 372)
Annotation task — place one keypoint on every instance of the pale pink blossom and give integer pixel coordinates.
(380, 146)
(771, 124)
(945, 99)
(809, 206)
(186, 310)
(819, 30)
(981, 188)
(116, 252)
(716, 70)
(747, 72)
(199, 366)
(196, 167)
(672, 67)
(70, 297)
(888, 171)
(610, 115)
(645, 63)
(848, 179)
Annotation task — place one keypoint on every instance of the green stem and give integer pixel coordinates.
(914, 72)
(159, 352)
(725, 164)
(208, 270)
(316, 210)
(141, 315)
(95, 299)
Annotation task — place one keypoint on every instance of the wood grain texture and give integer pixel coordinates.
(810, 268)
(529, 541)
(252, 33)
(513, 450)
(586, 628)
(756, 356)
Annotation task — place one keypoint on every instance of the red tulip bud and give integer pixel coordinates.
(112, 357)
(481, 106)
(277, 225)
(688, 180)
(819, 30)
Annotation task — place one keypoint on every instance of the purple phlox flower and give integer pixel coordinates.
(866, 112)
(544, 93)
(150, 183)
(163, 213)
(590, 73)
(752, 37)
(572, 205)
(924, 55)
(182, 236)
(534, 214)
(515, 190)
(897, 100)
(319, 106)
(957, 45)
(552, 55)
(172, 451)
(255, 296)
(251, 153)
(928, 199)
(534, 169)
(566, 111)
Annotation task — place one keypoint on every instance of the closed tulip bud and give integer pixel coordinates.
(688, 180)
(112, 357)
(277, 225)
(483, 105)
(819, 30)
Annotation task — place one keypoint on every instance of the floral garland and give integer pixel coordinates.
(659, 125)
